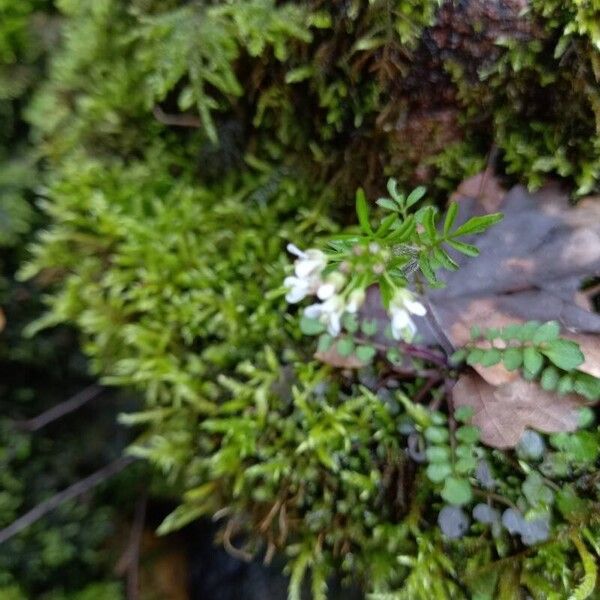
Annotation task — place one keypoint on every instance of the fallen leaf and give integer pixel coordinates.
(531, 267)
(590, 346)
(482, 313)
(502, 413)
(531, 264)
(484, 187)
(332, 357)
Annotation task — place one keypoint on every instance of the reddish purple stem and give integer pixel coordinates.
(425, 354)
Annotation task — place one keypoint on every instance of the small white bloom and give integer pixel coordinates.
(416, 308)
(403, 327)
(307, 278)
(403, 304)
(310, 262)
(334, 283)
(329, 313)
(314, 311)
(298, 289)
(405, 299)
(355, 300)
(293, 249)
(325, 291)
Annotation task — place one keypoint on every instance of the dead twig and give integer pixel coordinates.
(133, 571)
(489, 169)
(129, 563)
(270, 553)
(182, 120)
(488, 495)
(266, 522)
(230, 548)
(60, 410)
(591, 291)
(82, 486)
(422, 393)
(409, 349)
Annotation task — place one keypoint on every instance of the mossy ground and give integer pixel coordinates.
(176, 147)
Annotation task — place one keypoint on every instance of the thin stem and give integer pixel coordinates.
(451, 420)
(135, 540)
(427, 388)
(60, 410)
(439, 333)
(414, 351)
(493, 496)
(43, 508)
(547, 481)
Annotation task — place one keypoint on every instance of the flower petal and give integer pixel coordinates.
(416, 308)
(352, 307)
(296, 294)
(325, 291)
(400, 320)
(305, 267)
(334, 326)
(314, 311)
(293, 249)
(410, 330)
(355, 301)
(291, 281)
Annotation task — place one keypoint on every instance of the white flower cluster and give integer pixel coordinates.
(402, 306)
(309, 280)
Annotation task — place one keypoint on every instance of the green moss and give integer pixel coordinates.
(187, 143)
(168, 316)
(540, 98)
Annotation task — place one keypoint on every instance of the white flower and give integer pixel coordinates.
(403, 304)
(309, 263)
(297, 288)
(333, 283)
(307, 278)
(355, 300)
(403, 327)
(329, 313)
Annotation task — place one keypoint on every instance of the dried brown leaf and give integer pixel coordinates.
(503, 412)
(483, 187)
(590, 346)
(530, 268)
(332, 357)
(483, 313)
(543, 243)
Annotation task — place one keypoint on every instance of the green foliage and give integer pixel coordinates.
(539, 351)
(62, 557)
(21, 48)
(201, 44)
(559, 61)
(385, 256)
(451, 463)
(262, 64)
(188, 143)
(199, 300)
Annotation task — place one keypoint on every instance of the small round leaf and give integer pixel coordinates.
(457, 491)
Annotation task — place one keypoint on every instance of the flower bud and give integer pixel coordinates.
(355, 300)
